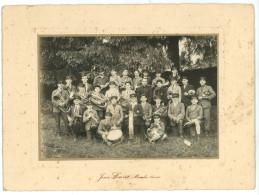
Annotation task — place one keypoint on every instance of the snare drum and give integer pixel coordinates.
(115, 136)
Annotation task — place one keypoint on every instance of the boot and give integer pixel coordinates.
(88, 134)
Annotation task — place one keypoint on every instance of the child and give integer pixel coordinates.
(176, 114)
(113, 91)
(125, 78)
(69, 87)
(116, 78)
(102, 81)
(158, 108)
(75, 118)
(83, 94)
(205, 93)
(98, 100)
(116, 111)
(156, 130)
(146, 76)
(91, 121)
(85, 80)
(194, 114)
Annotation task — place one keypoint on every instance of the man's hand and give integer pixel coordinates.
(200, 97)
(186, 94)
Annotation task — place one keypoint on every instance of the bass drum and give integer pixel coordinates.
(115, 136)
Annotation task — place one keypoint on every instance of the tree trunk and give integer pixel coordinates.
(173, 50)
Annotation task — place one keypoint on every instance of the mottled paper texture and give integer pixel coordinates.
(235, 167)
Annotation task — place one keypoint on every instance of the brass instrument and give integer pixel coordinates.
(60, 99)
(99, 100)
(161, 110)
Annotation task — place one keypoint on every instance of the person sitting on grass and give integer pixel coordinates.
(75, 115)
(91, 121)
(156, 130)
(194, 114)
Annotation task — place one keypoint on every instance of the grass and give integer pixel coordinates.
(173, 147)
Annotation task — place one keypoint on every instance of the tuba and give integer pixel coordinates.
(99, 100)
(60, 99)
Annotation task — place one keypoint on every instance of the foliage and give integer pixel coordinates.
(60, 56)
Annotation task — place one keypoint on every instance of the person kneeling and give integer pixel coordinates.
(194, 114)
(156, 130)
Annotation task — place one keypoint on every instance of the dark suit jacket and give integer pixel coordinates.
(64, 94)
(137, 113)
(176, 111)
(207, 93)
(72, 111)
(162, 92)
(147, 90)
(186, 100)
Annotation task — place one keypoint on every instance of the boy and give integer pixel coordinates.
(98, 100)
(205, 93)
(156, 130)
(137, 81)
(135, 110)
(145, 89)
(160, 91)
(176, 114)
(113, 91)
(116, 111)
(83, 94)
(125, 78)
(158, 77)
(194, 114)
(102, 81)
(158, 108)
(85, 80)
(91, 120)
(175, 88)
(186, 88)
(147, 114)
(69, 87)
(75, 117)
(146, 76)
(114, 77)
(60, 99)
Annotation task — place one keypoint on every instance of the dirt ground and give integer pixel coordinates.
(173, 147)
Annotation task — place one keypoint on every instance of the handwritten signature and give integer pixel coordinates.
(119, 175)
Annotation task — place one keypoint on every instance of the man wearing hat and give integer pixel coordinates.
(105, 126)
(85, 80)
(145, 89)
(205, 93)
(156, 130)
(158, 77)
(99, 101)
(125, 78)
(75, 116)
(113, 90)
(102, 81)
(69, 87)
(91, 120)
(137, 113)
(147, 114)
(160, 91)
(175, 88)
(60, 99)
(187, 91)
(176, 114)
(116, 111)
(194, 114)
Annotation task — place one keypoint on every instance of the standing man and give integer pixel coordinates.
(147, 114)
(69, 87)
(146, 76)
(205, 93)
(187, 92)
(116, 111)
(176, 114)
(146, 90)
(158, 77)
(102, 81)
(85, 80)
(99, 101)
(60, 99)
(137, 81)
(161, 92)
(125, 78)
(175, 88)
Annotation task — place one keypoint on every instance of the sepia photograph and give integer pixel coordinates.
(128, 97)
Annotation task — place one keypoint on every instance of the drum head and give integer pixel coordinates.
(114, 135)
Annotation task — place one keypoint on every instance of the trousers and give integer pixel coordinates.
(206, 113)
(64, 118)
(179, 125)
(196, 127)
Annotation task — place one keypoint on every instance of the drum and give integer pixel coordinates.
(154, 135)
(115, 136)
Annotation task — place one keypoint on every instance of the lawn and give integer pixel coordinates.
(173, 147)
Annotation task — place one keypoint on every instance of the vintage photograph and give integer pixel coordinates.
(123, 97)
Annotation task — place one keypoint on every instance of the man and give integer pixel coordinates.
(205, 93)
(116, 111)
(99, 101)
(116, 78)
(125, 78)
(135, 111)
(157, 130)
(85, 80)
(176, 114)
(69, 87)
(60, 99)
(147, 114)
(194, 114)
(187, 91)
(160, 91)
(137, 81)
(160, 109)
(75, 116)
(91, 120)
(146, 76)
(145, 89)
(158, 77)
(83, 94)
(125, 97)
(175, 88)
(113, 90)
(167, 74)
(102, 81)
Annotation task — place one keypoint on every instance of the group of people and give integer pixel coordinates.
(139, 107)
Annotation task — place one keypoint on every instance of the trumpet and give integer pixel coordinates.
(161, 110)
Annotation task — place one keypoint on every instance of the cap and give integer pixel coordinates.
(89, 103)
(143, 95)
(173, 79)
(203, 78)
(127, 82)
(81, 85)
(156, 115)
(194, 97)
(159, 80)
(60, 82)
(191, 92)
(185, 77)
(157, 97)
(108, 114)
(77, 97)
(145, 71)
(114, 97)
(158, 72)
(133, 95)
(100, 70)
(97, 86)
(175, 95)
(68, 77)
(112, 83)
